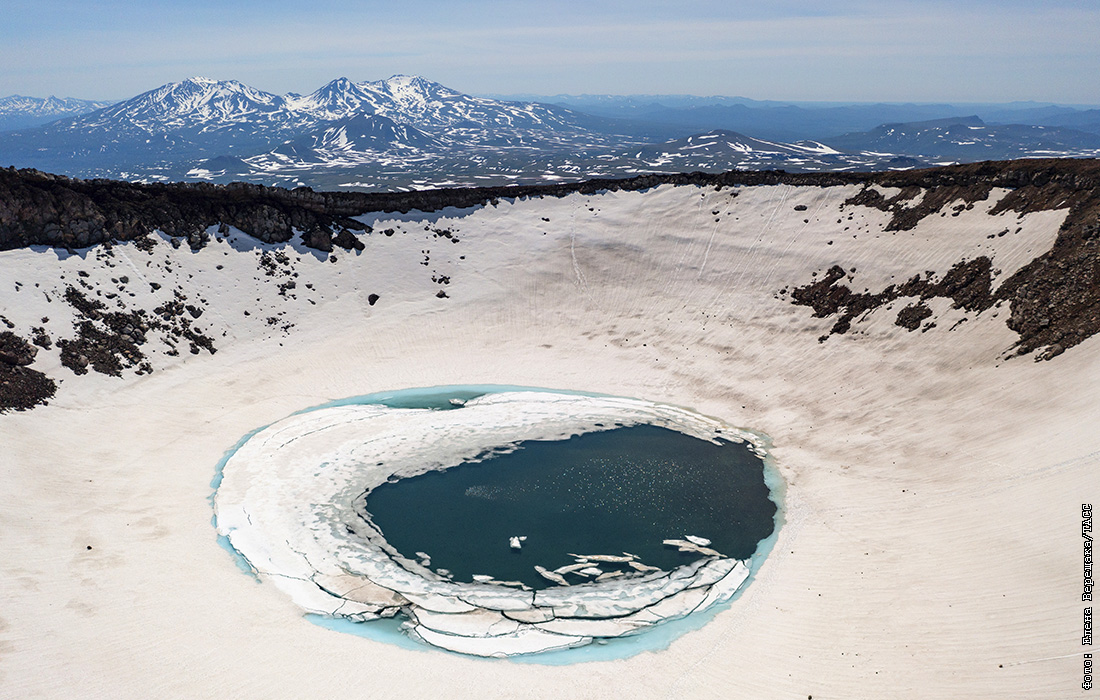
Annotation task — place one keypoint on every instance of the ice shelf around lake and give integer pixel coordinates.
(287, 497)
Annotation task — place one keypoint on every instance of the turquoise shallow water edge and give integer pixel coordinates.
(389, 631)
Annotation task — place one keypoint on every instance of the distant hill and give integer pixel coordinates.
(970, 139)
(19, 112)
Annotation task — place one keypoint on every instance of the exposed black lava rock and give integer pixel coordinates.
(174, 318)
(911, 316)
(21, 388)
(1054, 300)
(346, 240)
(106, 341)
(15, 351)
(40, 208)
(967, 284)
(41, 338)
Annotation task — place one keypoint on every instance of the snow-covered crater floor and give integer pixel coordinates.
(286, 503)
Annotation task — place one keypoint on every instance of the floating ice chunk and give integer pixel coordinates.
(516, 542)
(591, 571)
(610, 558)
(639, 566)
(571, 568)
(701, 541)
(487, 597)
(458, 402)
(608, 575)
(485, 578)
(551, 576)
(686, 546)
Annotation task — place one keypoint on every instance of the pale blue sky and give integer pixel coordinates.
(844, 50)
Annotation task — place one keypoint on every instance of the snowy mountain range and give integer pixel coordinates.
(19, 112)
(406, 131)
(170, 129)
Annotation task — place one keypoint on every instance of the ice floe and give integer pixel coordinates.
(299, 527)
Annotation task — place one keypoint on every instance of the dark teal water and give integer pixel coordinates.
(625, 489)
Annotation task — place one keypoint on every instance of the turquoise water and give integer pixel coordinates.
(388, 631)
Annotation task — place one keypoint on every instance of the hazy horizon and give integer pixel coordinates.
(850, 51)
(532, 96)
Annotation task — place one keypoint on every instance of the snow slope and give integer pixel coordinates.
(932, 542)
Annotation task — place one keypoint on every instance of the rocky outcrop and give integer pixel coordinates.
(967, 284)
(16, 351)
(21, 388)
(1054, 299)
(37, 208)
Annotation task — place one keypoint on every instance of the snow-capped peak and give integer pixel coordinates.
(46, 106)
(335, 100)
(415, 88)
(194, 102)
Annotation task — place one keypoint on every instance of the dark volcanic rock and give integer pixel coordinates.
(43, 209)
(967, 283)
(106, 341)
(22, 388)
(1054, 300)
(318, 239)
(15, 351)
(911, 316)
(347, 240)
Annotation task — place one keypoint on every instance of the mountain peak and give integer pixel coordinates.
(415, 83)
(200, 80)
(338, 86)
(194, 102)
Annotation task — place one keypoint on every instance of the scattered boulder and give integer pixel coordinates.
(911, 316)
(347, 240)
(16, 351)
(21, 388)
